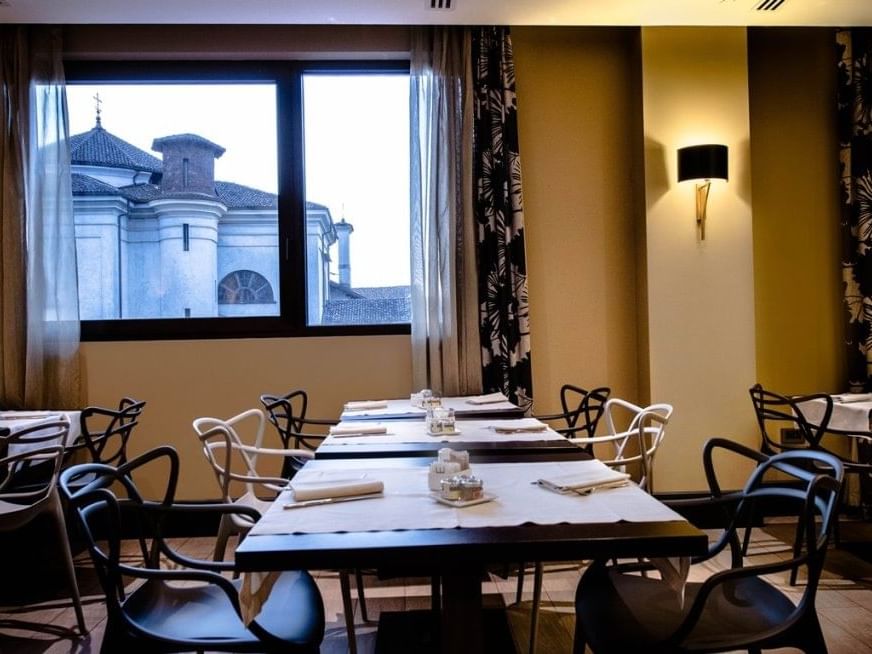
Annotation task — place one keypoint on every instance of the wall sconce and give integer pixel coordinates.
(706, 162)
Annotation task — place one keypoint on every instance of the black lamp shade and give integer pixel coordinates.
(702, 162)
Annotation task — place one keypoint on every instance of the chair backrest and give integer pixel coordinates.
(105, 432)
(29, 470)
(232, 460)
(288, 414)
(640, 438)
(106, 503)
(29, 459)
(776, 411)
(582, 409)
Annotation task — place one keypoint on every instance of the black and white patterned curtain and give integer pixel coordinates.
(855, 142)
(499, 215)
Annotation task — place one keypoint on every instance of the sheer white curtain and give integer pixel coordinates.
(39, 295)
(446, 352)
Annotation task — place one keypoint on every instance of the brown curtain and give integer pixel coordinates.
(39, 328)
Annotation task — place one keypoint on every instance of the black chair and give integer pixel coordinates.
(733, 609)
(162, 613)
(784, 427)
(105, 432)
(582, 410)
(782, 412)
(288, 414)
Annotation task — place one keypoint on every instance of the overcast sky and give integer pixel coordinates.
(357, 140)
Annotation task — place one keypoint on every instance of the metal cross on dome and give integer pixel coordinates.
(97, 103)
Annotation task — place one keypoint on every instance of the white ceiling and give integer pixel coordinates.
(418, 12)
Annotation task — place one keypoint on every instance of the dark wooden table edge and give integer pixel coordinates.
(446, 548)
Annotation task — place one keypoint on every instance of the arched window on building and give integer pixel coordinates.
(245, 287)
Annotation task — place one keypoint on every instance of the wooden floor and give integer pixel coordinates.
(844, 605)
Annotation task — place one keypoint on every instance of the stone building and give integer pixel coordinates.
(161, 238)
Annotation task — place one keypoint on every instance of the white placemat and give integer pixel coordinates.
(400, 409)
(406, 503)
(471, 431)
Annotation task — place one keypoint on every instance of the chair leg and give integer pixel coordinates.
(435, 595)
(225, 527)
(519, 592)
(537, 599)
(64, 541)
(361, 597)
(579, 641)
(797, 550)
(348, 609)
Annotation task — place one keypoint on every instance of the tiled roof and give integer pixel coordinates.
(382, 292)
(85, 185)
(394, 307)
(98, 147)
(239, 196)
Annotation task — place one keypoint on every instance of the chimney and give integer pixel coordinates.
(188, 163)
(343, 231)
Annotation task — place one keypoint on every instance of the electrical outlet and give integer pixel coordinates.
(792, 436)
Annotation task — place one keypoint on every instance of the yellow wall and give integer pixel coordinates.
(794, 158)
(182, 380)
(700, 293)
(578, 112)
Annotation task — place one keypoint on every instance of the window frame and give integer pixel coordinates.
(291, 295)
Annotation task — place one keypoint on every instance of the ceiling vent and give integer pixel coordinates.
(769, 5)
(441, 5)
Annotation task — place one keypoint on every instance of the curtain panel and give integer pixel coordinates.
(445, 339)
(39, 317)
(855, 143)
(499, 216)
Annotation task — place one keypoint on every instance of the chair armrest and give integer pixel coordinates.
(549, 416)
(731, 446)
(303, 454)
(591, 440)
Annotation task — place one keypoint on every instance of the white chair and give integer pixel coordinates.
(646, 427)
(25, 496)
(234, 462)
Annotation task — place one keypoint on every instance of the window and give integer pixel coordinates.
(285, 184)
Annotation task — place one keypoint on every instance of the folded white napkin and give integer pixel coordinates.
(357, 429)
(363, 405)
(317, 490)
(594, 474)
(491, 398)
(845, 398)
(520, 426)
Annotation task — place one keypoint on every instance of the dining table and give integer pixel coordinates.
(405, 525)
(493, 405)
(851, 414)
(521, 437)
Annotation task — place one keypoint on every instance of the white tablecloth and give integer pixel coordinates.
(18, 420)
(854, 417)
(471, 431)
(407, 504)
(400, 409)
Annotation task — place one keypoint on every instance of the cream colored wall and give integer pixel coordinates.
(700, 294)
(578, 106)
(182, 380)
(800, 330)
